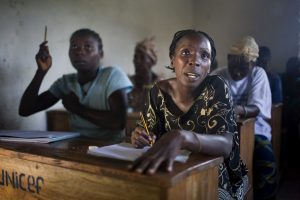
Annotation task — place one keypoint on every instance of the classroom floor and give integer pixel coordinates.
(289, 188)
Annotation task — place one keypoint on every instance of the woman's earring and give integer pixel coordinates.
(172, 67)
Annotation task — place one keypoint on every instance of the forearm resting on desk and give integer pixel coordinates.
(219, 145)
(165, 150)
(246, 111)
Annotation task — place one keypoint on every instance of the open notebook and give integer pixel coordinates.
(35, 136)
(126, 151)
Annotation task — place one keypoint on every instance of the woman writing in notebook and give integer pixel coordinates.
(192, 111)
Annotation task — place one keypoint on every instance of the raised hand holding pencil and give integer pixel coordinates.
(43, 57)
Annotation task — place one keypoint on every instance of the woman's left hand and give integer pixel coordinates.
(162, 154)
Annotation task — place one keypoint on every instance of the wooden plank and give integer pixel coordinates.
(246, 132)
(58, 120)
(35, 180)
(276, 131)
(194, 188)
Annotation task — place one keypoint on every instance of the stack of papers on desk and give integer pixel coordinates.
(126, 151)
(35, 136)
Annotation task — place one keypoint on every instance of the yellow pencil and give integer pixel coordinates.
(147, 131)
(45, 34)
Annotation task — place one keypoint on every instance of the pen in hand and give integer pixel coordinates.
(146, 128)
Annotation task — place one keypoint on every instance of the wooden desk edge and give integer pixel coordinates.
(110, 167)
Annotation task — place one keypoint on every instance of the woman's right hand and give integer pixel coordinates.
(161, 155)
(140, 138)
(43, 57)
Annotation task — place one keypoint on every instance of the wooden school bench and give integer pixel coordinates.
(275, 122)
(245, 127)
(58, 120)
(246, 133)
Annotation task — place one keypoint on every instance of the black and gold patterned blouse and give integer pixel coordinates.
(211, 113)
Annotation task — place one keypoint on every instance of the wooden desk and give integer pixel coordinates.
(246, 132)
(63, 170)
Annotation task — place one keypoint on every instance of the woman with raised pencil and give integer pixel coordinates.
(192, 111)
(95, 96)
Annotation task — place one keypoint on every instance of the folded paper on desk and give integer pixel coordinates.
(35, 136)
(126, 151)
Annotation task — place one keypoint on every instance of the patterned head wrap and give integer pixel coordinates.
(246, 47)
(147, 46)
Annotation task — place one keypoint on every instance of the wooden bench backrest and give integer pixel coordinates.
(58, 120)
(246, 132)
(132, 118)
(275, 122)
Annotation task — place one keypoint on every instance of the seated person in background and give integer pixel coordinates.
(251, 94)
(291, 106)
(192, 111)
(144, 59)
(274, 79)
(95, 96)
(290, 78)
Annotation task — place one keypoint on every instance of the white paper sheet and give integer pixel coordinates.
(126, 151)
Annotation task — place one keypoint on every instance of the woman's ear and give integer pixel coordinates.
(171, 67)
(172, 61)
